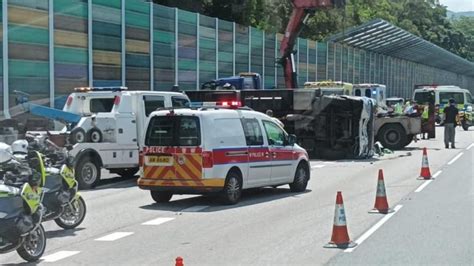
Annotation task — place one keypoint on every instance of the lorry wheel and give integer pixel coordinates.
(161, 196)
(94, 135)
(232, 189)
(78, 135)
(464, 125)
(87, 173)
(392, 136)
(126, 172)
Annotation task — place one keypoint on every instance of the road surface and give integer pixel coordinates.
(277, 227)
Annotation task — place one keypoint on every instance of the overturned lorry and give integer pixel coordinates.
(328, 127)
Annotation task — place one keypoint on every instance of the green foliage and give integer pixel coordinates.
(465, 25)
(425, 18)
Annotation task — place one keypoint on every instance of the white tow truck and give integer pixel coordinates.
(109, 128)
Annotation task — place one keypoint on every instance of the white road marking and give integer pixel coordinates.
(427, 182)
(422, 186)
(470, 146)
(374, 228)
(158, 221)
(437, 173)
(317, 166)
(114, 236)
(195, 208)
(59, 256)
(455, 158)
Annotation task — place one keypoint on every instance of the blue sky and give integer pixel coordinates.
(458, 5)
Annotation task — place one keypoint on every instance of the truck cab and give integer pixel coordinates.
(244, 81)
(110, 129)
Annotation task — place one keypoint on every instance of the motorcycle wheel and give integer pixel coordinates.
(34, 245)
(464, 125)
(72, 217)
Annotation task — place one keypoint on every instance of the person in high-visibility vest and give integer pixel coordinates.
(398, 108)
(425, 115)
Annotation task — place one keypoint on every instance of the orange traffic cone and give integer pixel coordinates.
(381, 203)
(179, 261)
(425, 168)
(340, 236)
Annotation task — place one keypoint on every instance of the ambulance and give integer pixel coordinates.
(218, 150)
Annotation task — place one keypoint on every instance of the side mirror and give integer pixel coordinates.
(291, 139)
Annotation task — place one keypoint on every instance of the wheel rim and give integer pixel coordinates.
(392, 137)
(301, 175)
(233, 189)
(89, 173)
(34, 242)
(95, 136)
(80, 137)
(73, 213)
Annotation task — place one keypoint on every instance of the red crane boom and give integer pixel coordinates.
(301, 11)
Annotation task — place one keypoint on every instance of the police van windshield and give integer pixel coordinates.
(173, 131)
(422, 97)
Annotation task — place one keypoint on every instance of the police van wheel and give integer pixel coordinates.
(78, 135)
(232, 189)
(161, 196)
(94, 135)
(301, 178)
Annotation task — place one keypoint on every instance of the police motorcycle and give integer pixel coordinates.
(466, 117)
(21, 211)
(62, 202)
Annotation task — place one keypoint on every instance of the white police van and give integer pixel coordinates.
(210, 149)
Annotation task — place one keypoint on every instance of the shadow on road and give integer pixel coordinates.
(63, 233)
(249, 197)
(115, 183)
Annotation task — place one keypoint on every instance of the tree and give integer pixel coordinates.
(465, 25)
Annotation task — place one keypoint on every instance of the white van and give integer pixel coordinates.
(425, 93)
(109, 131)
(195, 151)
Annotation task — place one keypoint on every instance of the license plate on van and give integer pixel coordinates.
(159, 160)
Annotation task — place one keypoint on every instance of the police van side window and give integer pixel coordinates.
(152, 103)
(457, 96)
(275, 135)
(253, 132)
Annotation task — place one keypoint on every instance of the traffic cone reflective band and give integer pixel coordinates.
(381, 203)
(179, 261)
(340, 236)
(425, 168)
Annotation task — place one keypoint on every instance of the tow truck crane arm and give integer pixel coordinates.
(302, 9)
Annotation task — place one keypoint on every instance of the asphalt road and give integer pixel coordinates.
(276, 227)
(434, 226)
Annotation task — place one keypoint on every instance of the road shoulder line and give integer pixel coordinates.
(455, 158)
(374, 228)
